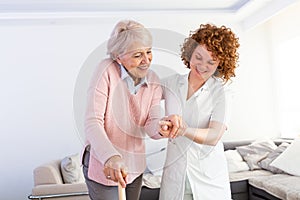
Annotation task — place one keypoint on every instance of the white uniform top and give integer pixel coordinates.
(204, 165)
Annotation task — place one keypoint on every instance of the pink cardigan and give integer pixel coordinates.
(116, 121)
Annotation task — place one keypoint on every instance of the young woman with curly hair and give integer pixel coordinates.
(196, 108)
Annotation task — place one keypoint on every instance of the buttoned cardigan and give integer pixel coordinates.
(116, 121)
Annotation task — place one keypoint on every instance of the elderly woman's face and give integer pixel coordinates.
(202, 63)
(137, 60)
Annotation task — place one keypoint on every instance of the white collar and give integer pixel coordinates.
(125, 75)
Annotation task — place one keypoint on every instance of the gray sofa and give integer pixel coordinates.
(262, 184)
(242, 183)
(49, 185)
(252, 185)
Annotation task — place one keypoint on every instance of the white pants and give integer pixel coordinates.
(188, 194)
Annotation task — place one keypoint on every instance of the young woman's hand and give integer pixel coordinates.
(172, 126)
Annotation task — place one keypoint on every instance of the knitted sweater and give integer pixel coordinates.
(116, 121)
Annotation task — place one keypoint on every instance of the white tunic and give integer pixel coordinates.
(204, 165)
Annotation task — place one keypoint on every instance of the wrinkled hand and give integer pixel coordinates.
(164, 127)
(115, 170)
(172, 126)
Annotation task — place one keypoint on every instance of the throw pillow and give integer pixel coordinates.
(71, 170)
(256, 152)
(289, 160)
(265, 163)
(235, 161)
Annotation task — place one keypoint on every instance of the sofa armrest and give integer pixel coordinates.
(54, 189)
(48, 174)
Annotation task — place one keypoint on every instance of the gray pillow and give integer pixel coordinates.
(265, 163)
(71, 169)
(256, 152)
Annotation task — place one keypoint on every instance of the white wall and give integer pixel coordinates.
(40, 60)
(254, 113)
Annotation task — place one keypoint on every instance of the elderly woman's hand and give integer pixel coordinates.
(164, 128)
(115, 170)
(172, 126)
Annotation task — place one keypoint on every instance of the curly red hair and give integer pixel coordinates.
(221, 41)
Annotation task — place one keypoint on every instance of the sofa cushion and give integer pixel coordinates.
(235, 161)
(282, 186)
(289, 160)
(71, 169)
(244, 175)
(151, 181)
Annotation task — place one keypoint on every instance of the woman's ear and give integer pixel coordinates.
(118, 60)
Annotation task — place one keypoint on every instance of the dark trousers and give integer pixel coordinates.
(99, 191)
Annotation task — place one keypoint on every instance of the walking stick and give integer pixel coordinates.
(121, 190)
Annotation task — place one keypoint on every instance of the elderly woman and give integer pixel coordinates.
(123, 104)
(196, 106)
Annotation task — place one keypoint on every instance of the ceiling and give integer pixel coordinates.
(249, 12)
(220, 6)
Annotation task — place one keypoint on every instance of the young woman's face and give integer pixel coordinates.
(202, 64)
(137, 60)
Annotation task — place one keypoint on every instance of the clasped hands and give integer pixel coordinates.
(172, 126)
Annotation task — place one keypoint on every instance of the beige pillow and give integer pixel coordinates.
(71, 169)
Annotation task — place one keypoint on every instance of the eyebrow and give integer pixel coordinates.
(198, 54)
(211, 60)
(140, 50)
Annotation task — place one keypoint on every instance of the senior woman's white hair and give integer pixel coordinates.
(126, 33)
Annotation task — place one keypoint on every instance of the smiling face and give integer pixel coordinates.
(202, 63)
(136, 61)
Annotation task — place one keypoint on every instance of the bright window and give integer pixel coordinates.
(288, 87)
